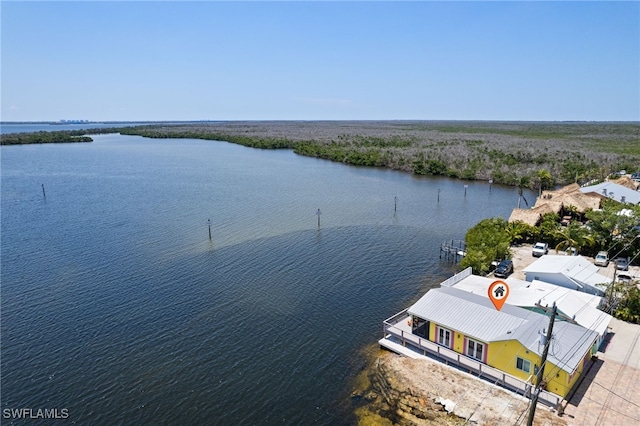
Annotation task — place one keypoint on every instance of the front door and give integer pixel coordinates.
(444, 337)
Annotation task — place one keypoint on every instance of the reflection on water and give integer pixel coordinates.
(117, 306)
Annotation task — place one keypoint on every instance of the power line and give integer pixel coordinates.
(587, 332)
(564, 363)
(539, 375)
(619, 396)
(555, 368)
(611, 408)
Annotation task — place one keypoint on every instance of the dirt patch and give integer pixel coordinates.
(522, 257)
(404, 391)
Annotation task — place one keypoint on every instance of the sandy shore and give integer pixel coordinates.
(404, 391)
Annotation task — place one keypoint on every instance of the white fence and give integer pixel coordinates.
(456, 278)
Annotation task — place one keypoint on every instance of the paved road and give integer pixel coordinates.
(610, 393)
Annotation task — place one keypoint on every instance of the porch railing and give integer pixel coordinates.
(429, 348)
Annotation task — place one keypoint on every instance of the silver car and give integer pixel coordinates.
(601, 259)
(622, 264)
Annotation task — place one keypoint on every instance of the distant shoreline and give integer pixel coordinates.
(511, 153)
(526, 154)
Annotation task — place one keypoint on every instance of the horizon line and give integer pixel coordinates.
(79, 122)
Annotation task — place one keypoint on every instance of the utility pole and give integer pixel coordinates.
(540, 375)
(611, 290)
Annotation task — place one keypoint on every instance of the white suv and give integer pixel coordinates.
(540, 249)
(601, 259)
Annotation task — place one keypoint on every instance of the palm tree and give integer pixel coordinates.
(544, 179)
(573, 236)
(518, 231)
(571, 209)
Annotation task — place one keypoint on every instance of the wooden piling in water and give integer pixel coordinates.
(453, 250)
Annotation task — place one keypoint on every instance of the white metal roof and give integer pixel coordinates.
(468, 313)
(563, 264)
(583, 306)
(569, 344)
(576, 268)
(475, 316)
(614, 191)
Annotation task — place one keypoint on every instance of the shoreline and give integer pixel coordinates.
(509, 153)
(405, 391)
(397, 390)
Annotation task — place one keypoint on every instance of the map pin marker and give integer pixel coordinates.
(498, 293)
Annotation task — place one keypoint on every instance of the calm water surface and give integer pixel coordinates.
(118, 307)
(46, 127)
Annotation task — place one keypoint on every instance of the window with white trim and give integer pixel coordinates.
(475, 349)
(523, 365)
(444, 337)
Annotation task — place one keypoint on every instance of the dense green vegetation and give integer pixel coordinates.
(250, 141)
(625, 303)
(44, 137)
(528, 155)
(615, 229)
(486, 242)
(61, 136)
(540, 154)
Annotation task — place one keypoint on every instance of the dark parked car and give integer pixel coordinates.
(622, 264)
(504, 269)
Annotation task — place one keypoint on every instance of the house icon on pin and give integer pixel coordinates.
(499, 291)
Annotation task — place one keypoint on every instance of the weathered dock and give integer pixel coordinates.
(453, 250)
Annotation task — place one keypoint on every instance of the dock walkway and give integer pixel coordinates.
(453, 250)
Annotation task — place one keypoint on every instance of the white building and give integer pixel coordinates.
(573, 272)
(617, 192)
(574, 305)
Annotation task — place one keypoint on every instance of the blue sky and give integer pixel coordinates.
(320, 60)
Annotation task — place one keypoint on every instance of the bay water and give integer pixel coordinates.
(117, 307)
(32, 127)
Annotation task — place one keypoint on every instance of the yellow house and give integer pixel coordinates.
(510, 339)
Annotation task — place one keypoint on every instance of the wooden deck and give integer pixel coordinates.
(399, 338)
